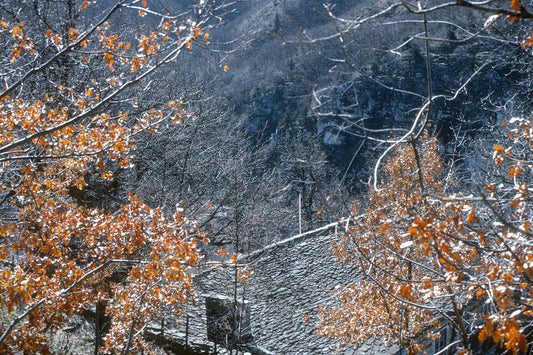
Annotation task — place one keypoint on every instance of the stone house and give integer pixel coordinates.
(276, 307)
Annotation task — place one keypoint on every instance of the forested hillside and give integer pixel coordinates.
(141, 140)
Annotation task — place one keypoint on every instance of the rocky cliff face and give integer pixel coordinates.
(262, 115)
(472, 86)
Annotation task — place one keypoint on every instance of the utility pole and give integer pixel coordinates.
(300, 213)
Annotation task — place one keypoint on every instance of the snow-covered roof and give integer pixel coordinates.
(290, 279)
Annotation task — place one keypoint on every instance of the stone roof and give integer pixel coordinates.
(290, 279)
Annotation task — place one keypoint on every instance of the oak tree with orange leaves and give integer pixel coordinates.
(407, 284)
(435, 254)
(73, 74)
(429, 258)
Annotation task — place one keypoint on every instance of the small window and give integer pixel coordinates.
(443, 340)
(223, 327)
